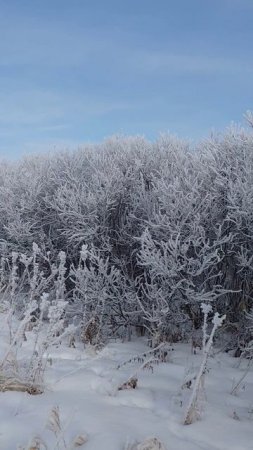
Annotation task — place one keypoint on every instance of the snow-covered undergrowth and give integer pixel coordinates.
(82, 385)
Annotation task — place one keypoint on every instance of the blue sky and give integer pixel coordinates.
(75, 71)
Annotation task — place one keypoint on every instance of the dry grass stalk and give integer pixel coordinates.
(37, 444)
(18, 386)
(53, 421)
(79, 441)
(54, 425)
(148, 444)
(129, 384)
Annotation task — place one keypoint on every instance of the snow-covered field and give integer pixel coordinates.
(83, 384)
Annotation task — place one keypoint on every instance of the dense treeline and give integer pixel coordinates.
(149, 231)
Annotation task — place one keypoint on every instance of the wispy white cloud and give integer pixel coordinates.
(162, 61)
(241, 4)
(37, 146)
(35, 43)
(48, 111)
(28, 107)
(30, 42)
(49, 145)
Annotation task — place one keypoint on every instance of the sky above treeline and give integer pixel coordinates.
(76, 71)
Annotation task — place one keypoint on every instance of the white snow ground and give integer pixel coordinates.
(84, 386)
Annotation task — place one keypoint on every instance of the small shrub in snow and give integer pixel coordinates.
(20, 375)
(157, 355)
(160, 353)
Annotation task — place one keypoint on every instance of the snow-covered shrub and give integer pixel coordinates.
(28, 375)
(177, 275)
(97, 295)
(174, 221)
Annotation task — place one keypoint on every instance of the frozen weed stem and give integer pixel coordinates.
(193, 411)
